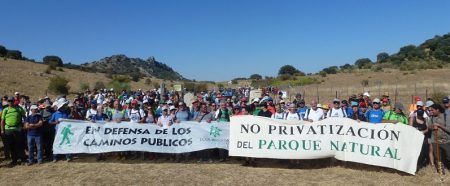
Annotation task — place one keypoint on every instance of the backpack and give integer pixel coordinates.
(298, 114)
(307, 114)
(342, 109)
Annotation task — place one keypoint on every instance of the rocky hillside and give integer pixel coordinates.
(121, 64)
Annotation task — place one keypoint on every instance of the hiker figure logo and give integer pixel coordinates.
(214, 131)
(66, 132)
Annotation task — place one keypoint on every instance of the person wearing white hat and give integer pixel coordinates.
(33, 125)
(419, 106)
(55, 120)
(375, 114)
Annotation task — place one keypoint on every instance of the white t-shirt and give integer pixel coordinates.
(135, 115)
(337, 113)
(100, 98)
(165, 120)
(278, 115)
(90, 113)
(315, 115)
(293, 116)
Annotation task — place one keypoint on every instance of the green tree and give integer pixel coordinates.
(3, 51)
(288, 69)
(120, 83)
(346, 66)
(58, 85)
(382, 57)
(14, 54)
(255, 77)
(53, 61)
(363, 63)
(331, 70)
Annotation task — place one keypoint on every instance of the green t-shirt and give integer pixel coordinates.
(13, 117)
(391, 115)
(256, 112)
(223, 116)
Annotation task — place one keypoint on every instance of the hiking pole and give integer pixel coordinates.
(440, 167)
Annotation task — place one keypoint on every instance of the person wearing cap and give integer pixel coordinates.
(396, 115)
(375, 114)
(386, 106)
(33, 125)
(254, 108)
(337, 110)
(419, 122)
(356, 113)
(55, 120)
(11, 127)
(419, 106)
(16, 98)
(90, 113)
(440, 125)
(136, 114)
(446, 103)
(302, 108)
(314, 113)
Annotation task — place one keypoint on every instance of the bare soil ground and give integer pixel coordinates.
(86, 171)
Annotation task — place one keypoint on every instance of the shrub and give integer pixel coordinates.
(58, 85)
(438, 96)
(135, 77)
(99, 85)
(120, 83)
(84, 86)
(48, 70)
(148, 81)
(14, 54)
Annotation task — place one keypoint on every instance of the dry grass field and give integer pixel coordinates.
(85, 171)
(30, 78)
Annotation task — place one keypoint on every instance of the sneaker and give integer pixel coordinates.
(200, 161)
(28, 164)
(210, 161)
(68, 159)
(54, 161)
(39, 162)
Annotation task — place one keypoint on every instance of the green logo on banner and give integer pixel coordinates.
(214, 131)
(66, 132)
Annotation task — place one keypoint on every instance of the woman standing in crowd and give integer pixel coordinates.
(420, 123)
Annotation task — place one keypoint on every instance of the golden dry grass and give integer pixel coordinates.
(85, 171)
(30, 78)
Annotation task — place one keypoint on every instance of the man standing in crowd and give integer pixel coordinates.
(55, 120)
(337, 111)
(33, 124)
(396, 115)
(375, 114)
(302, 108)
(11, 127)
(314, 113)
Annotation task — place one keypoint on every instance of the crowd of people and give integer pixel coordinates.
(28, 127)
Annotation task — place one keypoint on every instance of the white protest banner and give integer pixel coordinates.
(388, 145)
(87, 137)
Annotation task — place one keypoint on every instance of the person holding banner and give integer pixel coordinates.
(314, 113)
(136, 114)
(279, 112)
(118, 114)
(337, 110)
(204, 115)
(375, 114)
(61, 107)
(420, 123)
(293, 114)
(356, 113)
(396, 115)
(440, 138)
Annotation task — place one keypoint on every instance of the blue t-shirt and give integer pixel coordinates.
(375, 116)
(349, 111)
(302, 112)
(58, 115)
(183, 115)
(34, 119)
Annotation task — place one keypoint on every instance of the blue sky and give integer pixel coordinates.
(221, 39)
